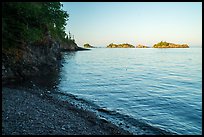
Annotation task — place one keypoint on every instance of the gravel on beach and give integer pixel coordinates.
(25, 113)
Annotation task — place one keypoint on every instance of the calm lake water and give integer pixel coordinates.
(162, 87)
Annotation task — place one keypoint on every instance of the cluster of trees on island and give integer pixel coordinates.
(158, 45)
(169, 45)
(125, 45)
(88, 46)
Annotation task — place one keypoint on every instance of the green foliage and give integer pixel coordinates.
(24, 22)
(169, 45)
(124, 45)
(161, 44)
(88, 46)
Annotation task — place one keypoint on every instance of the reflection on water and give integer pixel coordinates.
(45, 82)
(68, 55)
(159, 86)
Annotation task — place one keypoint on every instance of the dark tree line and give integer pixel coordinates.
(24, 22)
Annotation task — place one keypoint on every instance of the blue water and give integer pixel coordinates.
(163, 87)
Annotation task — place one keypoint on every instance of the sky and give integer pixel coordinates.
(146, 23)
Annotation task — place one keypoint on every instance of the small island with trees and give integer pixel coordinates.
(169, 45)
(158, 45)
(125, 45)
(88, 46)
(141, 46)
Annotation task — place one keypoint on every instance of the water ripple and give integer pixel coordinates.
(161, 87)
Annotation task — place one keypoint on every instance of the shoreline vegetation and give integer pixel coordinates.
(33, 39)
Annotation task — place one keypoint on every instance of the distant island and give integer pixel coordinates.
(125, 45)
(169, 45)
(158, 45)
(88, 46)
(141, 46)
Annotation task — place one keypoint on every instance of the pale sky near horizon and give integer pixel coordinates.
(147, 23)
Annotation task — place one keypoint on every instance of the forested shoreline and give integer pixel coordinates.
(33, 36)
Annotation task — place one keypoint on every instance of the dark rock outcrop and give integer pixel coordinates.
(36, 59)
(39, 58)
(70, 46)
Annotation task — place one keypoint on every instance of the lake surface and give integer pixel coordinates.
(162, 87)
(144, 91)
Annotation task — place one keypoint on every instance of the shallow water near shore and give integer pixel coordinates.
(161, 87)
(153, 89)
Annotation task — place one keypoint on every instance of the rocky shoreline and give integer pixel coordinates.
(27, 113)
(39, 58)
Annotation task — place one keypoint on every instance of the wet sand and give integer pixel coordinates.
(25, 113)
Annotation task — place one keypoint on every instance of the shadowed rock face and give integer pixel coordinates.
(39, 58)
(33, 59)
(69, 46)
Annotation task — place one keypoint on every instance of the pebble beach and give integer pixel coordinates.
(26, 113)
